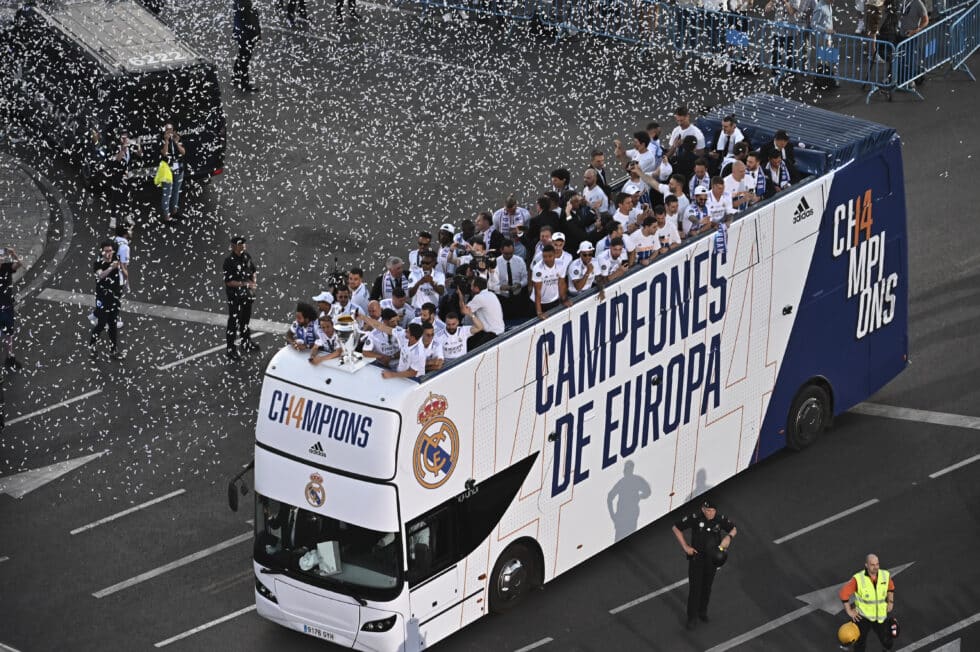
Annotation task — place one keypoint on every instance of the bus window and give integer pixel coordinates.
(431, 544)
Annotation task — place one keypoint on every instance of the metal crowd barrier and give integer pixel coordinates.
(513, 9)
(750, 42)
(944, 7)
(924, 52)
(964, 35)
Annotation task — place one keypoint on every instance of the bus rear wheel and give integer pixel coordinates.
(513, 575)
(809, 415)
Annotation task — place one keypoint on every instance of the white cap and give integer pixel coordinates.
(448, 228)
(700, 190)
(324, 296)
(558, 235)
(585, 246)
(631, 188)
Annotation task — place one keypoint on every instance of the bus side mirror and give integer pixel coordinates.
(232, 497)
(233, 491)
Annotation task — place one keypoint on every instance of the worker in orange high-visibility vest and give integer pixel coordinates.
(873, 592)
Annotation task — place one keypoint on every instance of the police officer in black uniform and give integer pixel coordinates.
(711, 534)
(108, 290)
(239, 272)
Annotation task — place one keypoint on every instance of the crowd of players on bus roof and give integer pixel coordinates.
(508, 266)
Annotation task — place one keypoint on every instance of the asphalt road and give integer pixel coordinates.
(359, 138)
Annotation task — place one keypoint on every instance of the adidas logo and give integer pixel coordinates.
(317, 449)
(803, 211)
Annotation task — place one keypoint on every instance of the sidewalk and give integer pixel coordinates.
(25, 212)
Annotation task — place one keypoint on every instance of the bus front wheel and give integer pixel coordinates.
(513, 576)
(808, 417)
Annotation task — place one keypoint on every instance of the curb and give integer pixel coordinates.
(48, 265)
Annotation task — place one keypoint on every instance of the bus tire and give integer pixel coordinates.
(809, 415)
(514, 574)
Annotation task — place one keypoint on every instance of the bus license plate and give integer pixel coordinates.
(319, 633)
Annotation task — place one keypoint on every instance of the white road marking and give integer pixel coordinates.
(228, 582)
(201, 354)
(829, 519)
(21, 484)
(648, 596)
(922, 416)
(166, 568)
(80, 397)
(136, 508)
(7, 648)
(543, 641)
(952, 646)
(165, 312)
(200, 628)
(303, 33)
(4, 558)
(958, 465)
(943, 633)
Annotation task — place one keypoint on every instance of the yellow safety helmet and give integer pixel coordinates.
(848, 633)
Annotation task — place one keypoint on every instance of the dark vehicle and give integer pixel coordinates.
(80, 73)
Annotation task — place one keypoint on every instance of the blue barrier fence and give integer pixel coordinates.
(924, 52)
(964, 35)
(751, 42)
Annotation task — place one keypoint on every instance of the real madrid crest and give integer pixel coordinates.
(315, 494)
(437, 447)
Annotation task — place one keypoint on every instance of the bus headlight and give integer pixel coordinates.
(265, 592)
(382, 625)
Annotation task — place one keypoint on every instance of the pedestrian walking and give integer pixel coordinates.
(247, 32)
(8, 318)
(172, 152)
(711, 534)
(108, 290)
(873, 591)
(239, 274)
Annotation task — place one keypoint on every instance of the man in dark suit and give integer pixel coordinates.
(546, 216)
(780, 142)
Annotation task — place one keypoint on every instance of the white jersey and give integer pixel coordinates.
(324, 342)
(405, 314)
(548, 277)
(426, 292)
(383, 343)
(360, 297)
(578, 270)
(719, 208)
(669, 229)
(442, 261)
(678, 135)
(608, 264)
(648, 160)
(336, 310)
(433, 351)
(412, 357)
(593, 195)
(454, 344)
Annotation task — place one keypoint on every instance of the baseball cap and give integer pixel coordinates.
(585, 246)
(558, 235)
(708, 503)
(324, 296)
(700, 190)
(448, 228)
(387, 314)
(238, 239)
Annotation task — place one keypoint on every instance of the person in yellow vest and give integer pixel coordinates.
(874, 598)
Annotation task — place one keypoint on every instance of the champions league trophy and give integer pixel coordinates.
(348, 333)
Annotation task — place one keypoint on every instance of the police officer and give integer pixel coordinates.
(239, 272)
(108, 290)
(711, 534)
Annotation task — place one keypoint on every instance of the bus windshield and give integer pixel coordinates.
(327, 552)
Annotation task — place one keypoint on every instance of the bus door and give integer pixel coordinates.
(433, 571)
